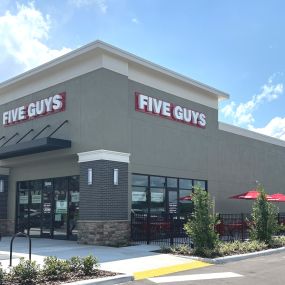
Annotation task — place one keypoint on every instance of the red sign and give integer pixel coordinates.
(169, 111)
(43, 107)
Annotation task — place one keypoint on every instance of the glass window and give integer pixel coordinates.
(185, 183)
(139, 180)
(200, 183)
(156, 181)
(139, 199)
(172, 182)
(157, 198)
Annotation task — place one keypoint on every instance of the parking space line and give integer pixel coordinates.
(193, 277)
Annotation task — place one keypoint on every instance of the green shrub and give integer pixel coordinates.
(277, 242)
(55, 269)
(26, 272)
(201, 226)
(264, 215)
(182, 249)
(239, 247)
(1, 274)
(75, 265)
(90, 264)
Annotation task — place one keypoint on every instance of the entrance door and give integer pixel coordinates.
(47, 209)
(60, 207)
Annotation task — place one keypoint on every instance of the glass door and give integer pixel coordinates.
(60, 207)
(47, 209)
(73, 207)
(23, 216)
(35, 210)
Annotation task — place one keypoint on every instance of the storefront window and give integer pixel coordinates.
(139, 199)
(200, 183)
(139, 180)
(163, 195)
(185, 184)
(172, 182)
(156, 181)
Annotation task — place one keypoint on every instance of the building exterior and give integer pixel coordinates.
(96, 134)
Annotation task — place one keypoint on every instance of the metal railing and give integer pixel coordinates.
(12, 241)
(168, 230)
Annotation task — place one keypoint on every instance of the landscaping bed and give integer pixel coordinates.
(223, 249)
(53, 272)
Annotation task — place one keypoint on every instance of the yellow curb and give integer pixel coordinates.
(169, 269)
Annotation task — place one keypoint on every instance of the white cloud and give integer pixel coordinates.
(135, 20)
(275, 128)
(101, 4)
(22, 37)
(242, 114)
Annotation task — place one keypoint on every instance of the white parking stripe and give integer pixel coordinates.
(192, 277)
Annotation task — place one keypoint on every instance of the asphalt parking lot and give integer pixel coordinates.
(262, 270)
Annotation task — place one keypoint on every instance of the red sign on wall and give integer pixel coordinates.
(169, 111)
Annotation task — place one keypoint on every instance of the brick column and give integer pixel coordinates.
(103, 207)
(6, 226)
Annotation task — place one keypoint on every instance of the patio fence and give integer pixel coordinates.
(168, 230)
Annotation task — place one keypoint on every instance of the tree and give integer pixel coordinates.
(201, 226)
(264, 216)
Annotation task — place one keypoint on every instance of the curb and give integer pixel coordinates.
(237, 257)
(104, 281)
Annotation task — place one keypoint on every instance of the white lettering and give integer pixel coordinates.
(187, 115)
(157, 104)
(48, 104)
(166, 109)
(195, 116)
(177, 113)
(22, 113)
(15, 115)
(31, 110)
(5, 118)
(149, 105)
(57, 102)
(40, 107)
(142, 101)
(202, 120)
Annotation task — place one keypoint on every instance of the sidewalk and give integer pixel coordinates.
(138, 260)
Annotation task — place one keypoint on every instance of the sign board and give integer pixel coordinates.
(24, 200)
(138, 196)
(167, 110)
(157, 197)
(75, 197)
(36, 199)
(61, 207)
(47, 208)
(43, 107)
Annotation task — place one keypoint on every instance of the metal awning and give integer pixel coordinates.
(33, 146)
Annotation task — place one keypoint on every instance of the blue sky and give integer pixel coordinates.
(236, 46)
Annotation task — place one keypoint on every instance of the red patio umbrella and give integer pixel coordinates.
(278, 197)
(186, 198)
(252, 195)
(249, 195)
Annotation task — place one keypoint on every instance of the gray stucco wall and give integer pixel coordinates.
(100, 108)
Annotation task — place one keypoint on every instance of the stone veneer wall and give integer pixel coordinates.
(109, 233)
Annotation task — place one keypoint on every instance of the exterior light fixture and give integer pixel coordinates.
(90, 176)
(116, 176)
(1, 186)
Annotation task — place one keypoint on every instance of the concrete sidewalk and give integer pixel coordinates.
(138, 260)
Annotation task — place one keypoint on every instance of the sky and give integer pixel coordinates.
(237, 46)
